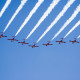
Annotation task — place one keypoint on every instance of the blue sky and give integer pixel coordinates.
(57, 62)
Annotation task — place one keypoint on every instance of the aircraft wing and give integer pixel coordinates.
(57, 41)
(26, 43)
(44, 44)
(36, 46)
(16, 40)
(19, 42)
(78, 42)
(30, 45)
(4, 36)
(50, 44)
(9, 39)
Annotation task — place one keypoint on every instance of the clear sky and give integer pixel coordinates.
(56, 62)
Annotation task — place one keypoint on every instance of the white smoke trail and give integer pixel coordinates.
(69, 3)
(76, 25)
(78, 37)
(67, 22)
(47, 12)
(30, 15)
(15, 14)
(5, 7)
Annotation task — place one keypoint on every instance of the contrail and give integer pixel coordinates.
(30, 15)
(15, 14)
(76, 25)
(69, 3)
(46, 13)
(5, 7)
(78, 37)
(67, 22)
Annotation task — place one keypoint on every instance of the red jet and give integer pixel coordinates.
(13, 39)
(2, 35)
(75, 41)
(33, 45)
(24, 42)
(61, 41)
(47, 44)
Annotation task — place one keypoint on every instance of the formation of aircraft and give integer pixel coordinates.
(47, 44)
(13, 39)
(33, 45)
(61, 41)
(24, 42)
(74, 41)
(2, 35)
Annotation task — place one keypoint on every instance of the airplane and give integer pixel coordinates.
(23, 42)
(13, 39)
(2, 35)
(61, 41)
(33, 45)
(74, 41)
(47, 44)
